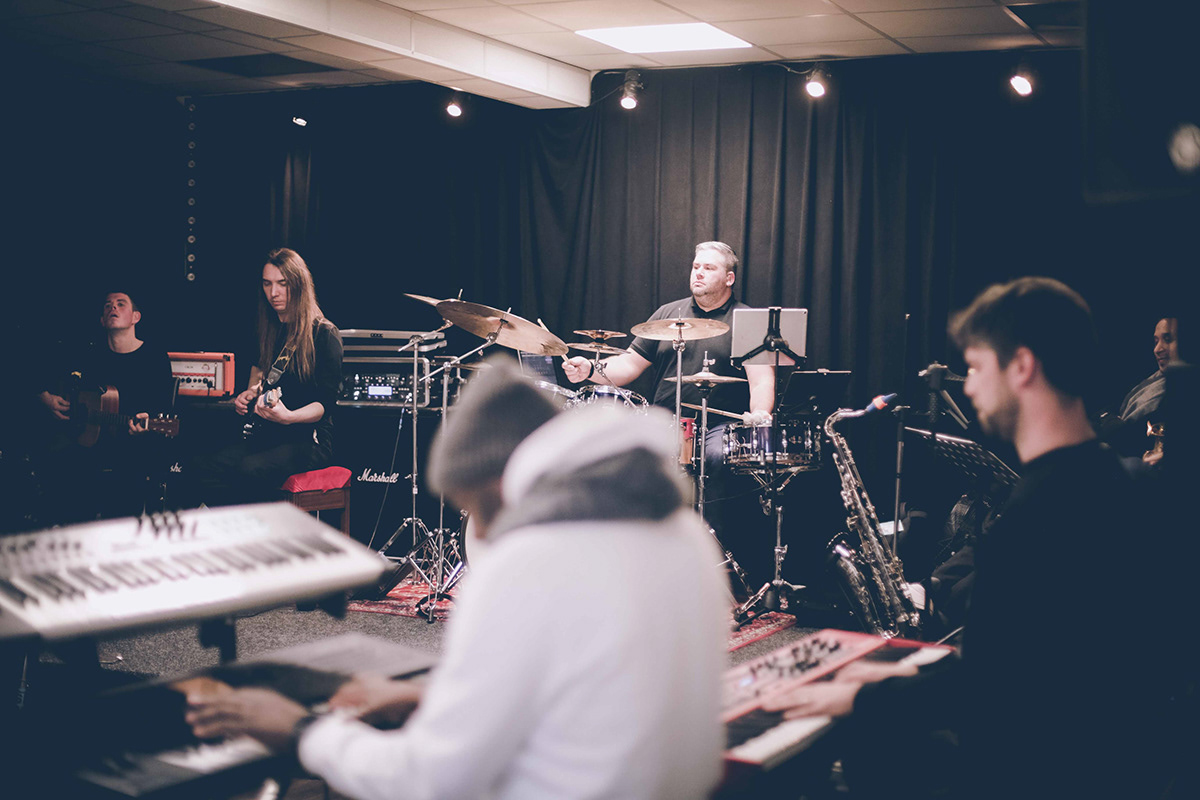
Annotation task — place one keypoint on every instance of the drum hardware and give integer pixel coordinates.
(677, 331)
(776, 594)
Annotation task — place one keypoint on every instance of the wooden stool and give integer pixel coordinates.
(321, 490)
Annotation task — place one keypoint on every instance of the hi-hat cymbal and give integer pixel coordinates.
(601, 334)
(606, 349)
(704, 377)
(509, 330)
(687, 329)
(433, 301)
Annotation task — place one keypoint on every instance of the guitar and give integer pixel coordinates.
(269, 398)
(94, 411)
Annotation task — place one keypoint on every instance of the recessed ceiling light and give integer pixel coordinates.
(665, 38)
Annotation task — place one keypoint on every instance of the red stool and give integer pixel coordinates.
(321, 490)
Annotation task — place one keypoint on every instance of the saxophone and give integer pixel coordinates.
(873, 576)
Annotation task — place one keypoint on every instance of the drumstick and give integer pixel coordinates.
(563, 357)
(712, 410)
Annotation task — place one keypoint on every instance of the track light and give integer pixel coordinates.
(455, 107)
(301, 121)
(629, 93)
(816, 82)
(1021, 83)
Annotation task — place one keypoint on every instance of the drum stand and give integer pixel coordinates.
(702, 481)
(428, 553)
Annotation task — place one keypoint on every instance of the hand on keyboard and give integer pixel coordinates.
(378, 700)
(262, 714)
(828, 698)
(871, 672)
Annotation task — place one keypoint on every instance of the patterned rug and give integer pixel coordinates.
(403, 600)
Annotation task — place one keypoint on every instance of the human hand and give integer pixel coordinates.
(377, 699)
(867, 672)
(58, 406)
(140, 423)
(262, 714)
(241, 403)
(824, 699)
(757, 418)
(275, 411)
(577, 369)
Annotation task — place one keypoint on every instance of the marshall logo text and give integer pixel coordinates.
(378, 477)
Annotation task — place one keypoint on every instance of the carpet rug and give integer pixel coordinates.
(402, 601)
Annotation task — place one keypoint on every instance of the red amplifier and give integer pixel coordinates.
(203, 374)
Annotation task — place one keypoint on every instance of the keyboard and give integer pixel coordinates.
(118, 575)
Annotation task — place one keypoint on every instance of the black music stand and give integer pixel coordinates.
(969, 458)
(812, 391)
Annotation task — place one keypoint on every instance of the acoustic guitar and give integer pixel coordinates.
(97, 412)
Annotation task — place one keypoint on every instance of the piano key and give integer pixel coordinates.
(88, 576)
(780, 742)
(14, 593)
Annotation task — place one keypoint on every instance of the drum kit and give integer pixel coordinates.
(763, 451)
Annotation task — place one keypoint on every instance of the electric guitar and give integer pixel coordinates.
(93, 412)
(269, 398)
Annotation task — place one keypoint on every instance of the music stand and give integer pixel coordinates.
(968, 457)
(810, 391)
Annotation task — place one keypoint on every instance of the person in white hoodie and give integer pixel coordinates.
(585, 652)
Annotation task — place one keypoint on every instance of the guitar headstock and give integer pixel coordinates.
(167, 426)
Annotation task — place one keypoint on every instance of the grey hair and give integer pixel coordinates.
(731, 259)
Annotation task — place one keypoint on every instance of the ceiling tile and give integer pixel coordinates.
(486, 88)
(576, 15)
(250, 23)
(176, 5)
(323, 79)
(949, 22)
(250, 40)
(800, 30)
(184, 47)
(492, 20)
(538, 102)
(230, 86)
(560, 43)
(821, 50)
(744, 55)
(100, 54)
(168, 73)
(614, 61)
(953, 44)
(164, 18)
(101, 3)
(421, 6)
(340, 47)
(1063, 38)
(867, 6)
(337, 62)
(725, 10)
(93, 26)
(421, 70)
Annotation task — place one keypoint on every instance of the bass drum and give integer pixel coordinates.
(608, 395)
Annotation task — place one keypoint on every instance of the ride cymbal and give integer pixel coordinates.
(606, 349)
(601, 334)
(687, 329)
(503, 327)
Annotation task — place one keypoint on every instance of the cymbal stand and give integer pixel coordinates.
(598, 369)
(447, 560)
(702, 481)
(677, 344)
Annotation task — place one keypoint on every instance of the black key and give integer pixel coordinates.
(232, 559)
(142, 575)
(90, 579)
(162, 568)
(118, 573)
(321, 545)
(212, 566)
(292, 547)
(46, 586)
(188, 561)
(260, 554)
(14, 593)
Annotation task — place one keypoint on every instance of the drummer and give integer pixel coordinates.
(712, 277)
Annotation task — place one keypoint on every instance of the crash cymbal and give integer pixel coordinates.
(687, 329)
(606, 349)
(433, 301)
(510, 330)
(601, 334)
(705, 377)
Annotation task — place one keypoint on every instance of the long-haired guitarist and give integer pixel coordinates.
(92, 463)
(292, 393)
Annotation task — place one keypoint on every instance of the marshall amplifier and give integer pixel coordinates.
(378, 372)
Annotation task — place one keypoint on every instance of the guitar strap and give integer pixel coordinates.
(275, 373)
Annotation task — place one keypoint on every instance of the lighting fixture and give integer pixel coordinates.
(665, 38)
(629, 93)
(1021, 83)
(455, 107)
(815, 83)
(301, 121)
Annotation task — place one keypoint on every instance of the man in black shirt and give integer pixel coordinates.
(1050, 698)
(110, 477)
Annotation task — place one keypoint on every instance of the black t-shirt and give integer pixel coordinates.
(142, 377)
(733, 397)
(1061, 684)
(320, 387)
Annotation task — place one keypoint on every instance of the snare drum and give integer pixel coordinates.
(562, 396)
(596, 394)
(790, 445)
